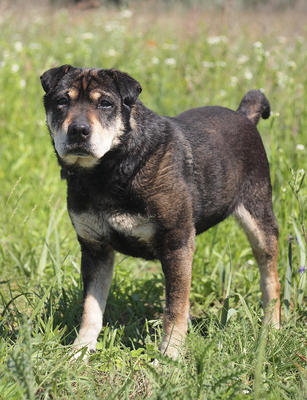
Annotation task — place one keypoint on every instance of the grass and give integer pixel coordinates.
(183, 60)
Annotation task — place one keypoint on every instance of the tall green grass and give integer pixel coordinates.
(182, 60)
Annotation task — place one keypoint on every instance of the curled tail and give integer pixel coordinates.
(255, 105)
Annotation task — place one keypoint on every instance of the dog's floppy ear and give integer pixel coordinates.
(50, 78)
(128, 87)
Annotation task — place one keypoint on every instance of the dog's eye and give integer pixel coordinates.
(62, 101)
(105, 103)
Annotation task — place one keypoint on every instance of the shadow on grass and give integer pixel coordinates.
(130, 305)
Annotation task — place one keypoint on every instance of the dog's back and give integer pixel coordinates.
(228, 152)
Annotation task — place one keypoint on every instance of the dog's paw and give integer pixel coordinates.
(172, 347)
(82, 349)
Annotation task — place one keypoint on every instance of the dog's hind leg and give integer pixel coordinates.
(261, 229)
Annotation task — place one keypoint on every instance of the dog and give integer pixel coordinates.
(145, 185)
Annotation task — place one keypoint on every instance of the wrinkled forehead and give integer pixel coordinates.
(87, 82)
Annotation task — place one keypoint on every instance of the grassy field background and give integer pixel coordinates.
(183, 58)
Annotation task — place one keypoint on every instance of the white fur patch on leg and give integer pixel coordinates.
(93, 309)
(265, 250)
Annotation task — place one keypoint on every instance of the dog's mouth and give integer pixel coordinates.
(78, 150)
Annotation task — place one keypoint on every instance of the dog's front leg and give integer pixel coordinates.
(177, 267)
(97, 269)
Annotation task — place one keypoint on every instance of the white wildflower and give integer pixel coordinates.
(155, 60)
(87, 36)
(292, 64)
(170, 61)
(15, 68)
(23, 83)
(125, 14)
(217, 39)
(18, 46)
(222, 93)
(112, 52)
(6, 54)
(248, 75)
(222, 64)
(257, 45)
(282, 39)
(111, 26)
(282, 79)
(258, 49)
(301, 174)
(233, 80)
(208, 64)
(242, 59)
(300, 147)
(250, 262)
(35, 46)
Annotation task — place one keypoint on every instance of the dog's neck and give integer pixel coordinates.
(66, 175)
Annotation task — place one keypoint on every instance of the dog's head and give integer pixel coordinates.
(87, 111)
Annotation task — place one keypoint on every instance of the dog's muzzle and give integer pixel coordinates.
(78, 138)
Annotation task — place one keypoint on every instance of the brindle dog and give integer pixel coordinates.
(145, 185)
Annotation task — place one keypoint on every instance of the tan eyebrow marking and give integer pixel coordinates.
(95, 94)
(73, 94)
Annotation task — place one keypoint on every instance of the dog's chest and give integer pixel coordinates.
(106, 226)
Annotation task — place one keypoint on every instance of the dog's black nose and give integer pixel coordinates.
(78, 131)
